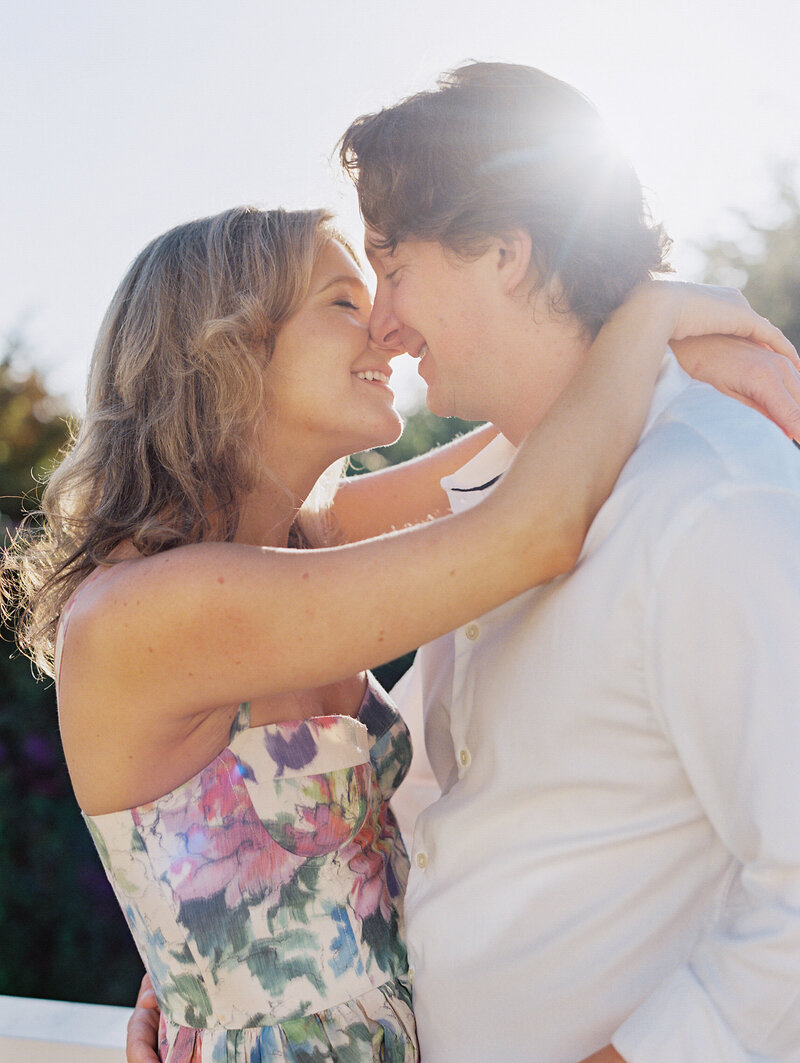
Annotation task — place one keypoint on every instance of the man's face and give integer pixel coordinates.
(437, 307)
(488, 350)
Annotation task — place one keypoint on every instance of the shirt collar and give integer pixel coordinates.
(671, 381)
(469, 484)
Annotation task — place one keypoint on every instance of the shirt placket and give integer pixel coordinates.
(467, 641)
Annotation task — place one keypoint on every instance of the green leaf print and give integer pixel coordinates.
(275, 968)
(216, 929)
(197, 1004)
(100, 843)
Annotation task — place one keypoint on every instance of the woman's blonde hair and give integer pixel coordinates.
(176, 389)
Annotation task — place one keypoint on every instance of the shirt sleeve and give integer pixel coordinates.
(724, 670)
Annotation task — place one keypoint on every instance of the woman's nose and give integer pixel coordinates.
(384, 327)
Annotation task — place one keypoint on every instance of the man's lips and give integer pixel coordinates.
(422, 354)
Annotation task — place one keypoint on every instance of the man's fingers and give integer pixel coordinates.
(147, 995)
(142, 1040)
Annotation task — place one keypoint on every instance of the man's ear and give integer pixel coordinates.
(513, 259)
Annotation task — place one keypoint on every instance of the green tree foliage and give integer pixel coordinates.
(33, 428)
(765, 262)
(423, 431)
(61, 931)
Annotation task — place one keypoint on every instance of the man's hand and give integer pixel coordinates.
(141, 1045)
(609, 1054)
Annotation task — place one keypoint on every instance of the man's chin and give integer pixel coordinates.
(439, 405)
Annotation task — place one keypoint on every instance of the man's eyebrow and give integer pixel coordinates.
(373, 250)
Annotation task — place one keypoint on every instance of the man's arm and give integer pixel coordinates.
(724, 673)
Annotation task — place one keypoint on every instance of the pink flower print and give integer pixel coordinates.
(367, 861)
(323, 829)
(225, 849)
(187, 1046)
(328, 810)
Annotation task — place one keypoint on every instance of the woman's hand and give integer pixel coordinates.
(755, 375)
(141, 1044)
(718, 338)
(705, 310)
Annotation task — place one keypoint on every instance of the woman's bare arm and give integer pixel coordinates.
(408, 493)
(205, 625)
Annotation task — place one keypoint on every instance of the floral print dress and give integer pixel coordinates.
(265, 894)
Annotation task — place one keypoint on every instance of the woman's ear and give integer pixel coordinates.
(513, 259)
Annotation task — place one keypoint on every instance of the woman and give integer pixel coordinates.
(232, 761)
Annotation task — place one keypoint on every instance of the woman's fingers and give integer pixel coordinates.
(747, 371)
(705, 309)
(775, 390)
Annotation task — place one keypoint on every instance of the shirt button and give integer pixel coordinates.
(422, 861)
(472, 631)
(465, 757)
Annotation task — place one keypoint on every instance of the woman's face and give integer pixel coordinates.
(328, 386)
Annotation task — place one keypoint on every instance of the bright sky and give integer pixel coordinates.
(120, 119)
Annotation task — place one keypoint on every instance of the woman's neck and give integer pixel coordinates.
(267, 514)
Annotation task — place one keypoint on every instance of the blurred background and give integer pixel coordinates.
(120, 121)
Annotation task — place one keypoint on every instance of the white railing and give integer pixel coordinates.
(55, 1031)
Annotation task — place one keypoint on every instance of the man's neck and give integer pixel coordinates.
(532, 393)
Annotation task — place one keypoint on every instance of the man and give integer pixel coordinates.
(615, 857)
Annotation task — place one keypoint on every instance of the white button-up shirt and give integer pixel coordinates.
(616, 853)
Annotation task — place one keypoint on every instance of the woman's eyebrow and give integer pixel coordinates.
(342, 278)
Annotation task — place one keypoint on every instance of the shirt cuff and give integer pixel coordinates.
(678, 1021)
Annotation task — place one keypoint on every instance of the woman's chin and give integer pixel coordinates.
(388, 434)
